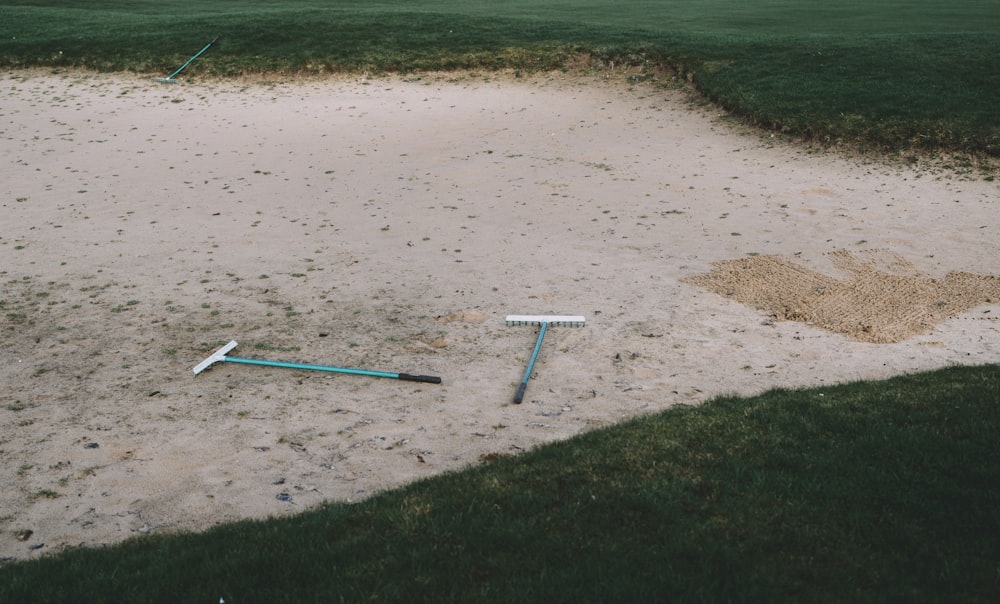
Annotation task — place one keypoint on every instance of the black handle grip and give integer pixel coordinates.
(520, 393)
(430, 379)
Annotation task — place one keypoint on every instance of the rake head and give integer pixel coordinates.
(218, 355)
(551, 320)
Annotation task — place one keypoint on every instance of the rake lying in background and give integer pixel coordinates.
(170, 78)
(219, 356)
(544, 321)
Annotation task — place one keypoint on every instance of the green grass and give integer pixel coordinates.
(864, 492)
(887, 75)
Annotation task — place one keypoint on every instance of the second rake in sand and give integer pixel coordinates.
(543, 321)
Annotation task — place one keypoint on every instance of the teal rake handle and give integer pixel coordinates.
(219, 356)
(430, 379)
(189, 61)
(531, 365)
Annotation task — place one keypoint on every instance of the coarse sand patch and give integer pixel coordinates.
(870, 304)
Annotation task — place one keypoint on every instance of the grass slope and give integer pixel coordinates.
(871, 491)
(891, 75)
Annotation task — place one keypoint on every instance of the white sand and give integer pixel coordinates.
(391, 225)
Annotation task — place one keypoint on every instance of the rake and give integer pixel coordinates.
(219, 356)
(170, 78)
(544, 321)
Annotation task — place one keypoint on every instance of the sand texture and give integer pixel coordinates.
(391, 224)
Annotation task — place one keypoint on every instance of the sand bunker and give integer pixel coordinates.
(882, 298)
(391, 224)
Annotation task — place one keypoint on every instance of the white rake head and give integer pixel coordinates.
(553, 320)
(218, 355)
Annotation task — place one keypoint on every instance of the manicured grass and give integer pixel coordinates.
(864, 492)
(888, 75)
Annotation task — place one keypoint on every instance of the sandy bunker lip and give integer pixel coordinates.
(392, 224)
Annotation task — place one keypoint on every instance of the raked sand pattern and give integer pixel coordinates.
(391, 224)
